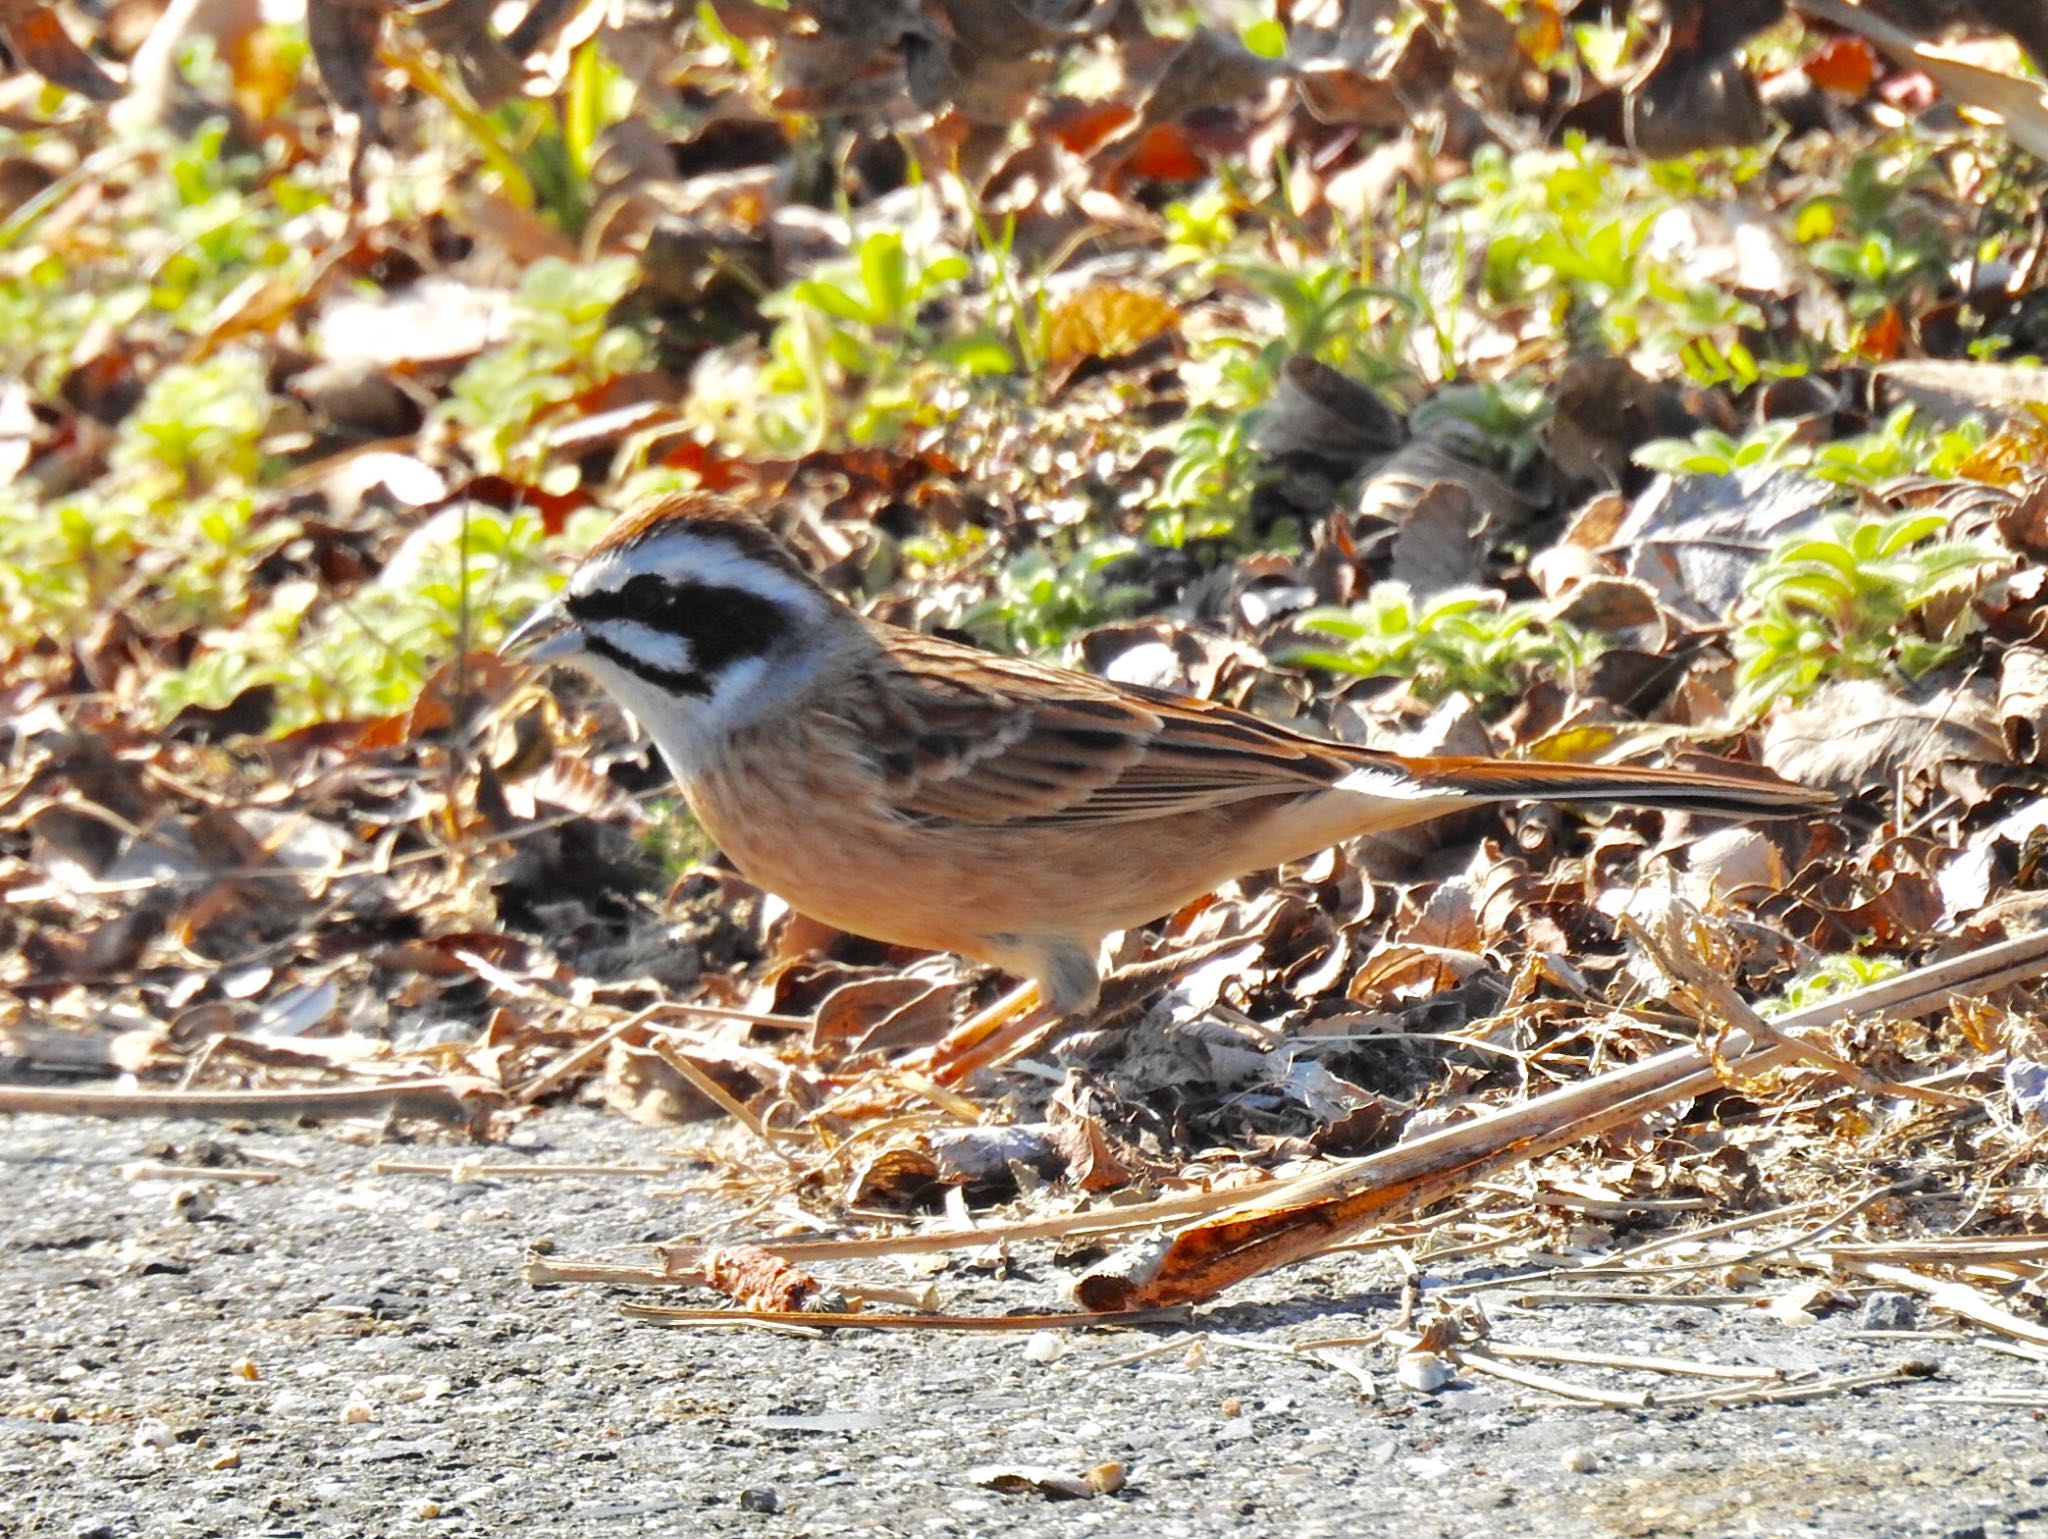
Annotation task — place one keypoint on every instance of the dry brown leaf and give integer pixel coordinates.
(1411, 972)
(641, 1084)
(885, 1015)
(1329, 417)
(755, 1278)
(1106, 320)
(1054, 1484)
(37, 38)
(1476, 500)
(2023, 703)
(2020, 104)
(1073, 1121)
(1855, 733)
(1378, 77)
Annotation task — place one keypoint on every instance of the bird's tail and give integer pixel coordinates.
(1734, 791)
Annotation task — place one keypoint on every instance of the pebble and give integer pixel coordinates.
(1045, 1347)
(1889, 1310)
(1106, 1478)
(760, 1499)
(1579, 1461)
(1423, 1372)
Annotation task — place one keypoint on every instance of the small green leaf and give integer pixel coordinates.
(884, 270)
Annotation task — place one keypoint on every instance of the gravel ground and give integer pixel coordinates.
(343, 1352)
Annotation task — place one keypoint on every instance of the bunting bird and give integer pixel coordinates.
(920, 792)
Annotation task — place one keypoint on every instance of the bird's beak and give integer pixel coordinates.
(547, 635)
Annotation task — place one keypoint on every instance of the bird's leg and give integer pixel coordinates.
(1008, 1029)
(987, 1036)
(1066, 984)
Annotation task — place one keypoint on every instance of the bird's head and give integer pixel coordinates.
(692, 615)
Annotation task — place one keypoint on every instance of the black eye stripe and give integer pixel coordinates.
(721, 624)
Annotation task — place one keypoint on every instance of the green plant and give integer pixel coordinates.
(1844, 602)
(170, 534)
(1039, 602)
(856, 355)
(1904, 444)
(1570, 230)
(183, 224)
(1876, 233)
(1200, 228)
(1498, 423)
(1831, 975)
(673, 837)
(539, 154)
(1327, 310)
(1207, 484)
(467, 571)
(1466, 641)
(560, 344)
(197, 426)
(1880, 271)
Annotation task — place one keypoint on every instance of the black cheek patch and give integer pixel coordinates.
(723, 624)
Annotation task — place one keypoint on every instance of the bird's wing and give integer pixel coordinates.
(977, 738)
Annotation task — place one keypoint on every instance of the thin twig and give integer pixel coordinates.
(1619, 1296)
(1481, 1362)
(446, 1099)
(881, 1320)
(1179, 1341)
(478, 1170)
(724, 1099)
(1093, 1221)
(142, 1171)
(1786, 1394)
(572, 1062)
(1665, 1365)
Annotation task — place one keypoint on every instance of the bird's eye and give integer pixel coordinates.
(642, 597)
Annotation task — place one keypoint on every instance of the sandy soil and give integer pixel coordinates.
(345, 1352)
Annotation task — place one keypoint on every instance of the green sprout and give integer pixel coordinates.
(857, 357)
(1831, 975)
(1904, 444)
(561, 344)
(1465, 641)
(465, 573)
(1041, 602)
(1844, 602)
(1571, 229)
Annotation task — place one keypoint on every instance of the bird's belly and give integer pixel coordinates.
(826, 849)
(800, 827)
(803, 833)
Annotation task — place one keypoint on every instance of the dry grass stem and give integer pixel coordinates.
(144, 1171)
(881, 1320)
(448, 1100)
(482, 1170)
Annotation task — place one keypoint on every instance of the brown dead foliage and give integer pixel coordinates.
(484, 898)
